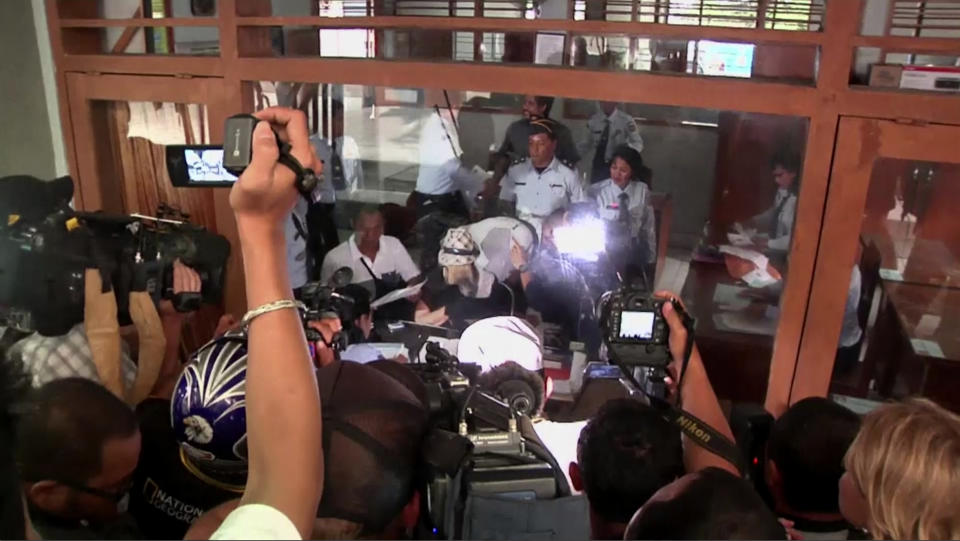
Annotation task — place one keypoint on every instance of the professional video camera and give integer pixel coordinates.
(480, 456)
(322, 301)
(45, 247)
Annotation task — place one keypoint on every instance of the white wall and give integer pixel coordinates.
(48, 74)
(31, 141)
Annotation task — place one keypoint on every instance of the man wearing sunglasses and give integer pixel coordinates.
(78, 446)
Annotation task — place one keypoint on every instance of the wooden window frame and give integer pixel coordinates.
(860, 143)
(74, 34)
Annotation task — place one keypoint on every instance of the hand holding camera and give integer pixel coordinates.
(264, 195)
(186, 292)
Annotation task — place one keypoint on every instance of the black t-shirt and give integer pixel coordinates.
(464, 310)
(166, 498)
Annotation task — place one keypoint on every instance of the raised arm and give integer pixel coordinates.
(696, 393)
(283, 403)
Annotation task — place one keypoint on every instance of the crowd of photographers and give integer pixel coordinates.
(274, 430)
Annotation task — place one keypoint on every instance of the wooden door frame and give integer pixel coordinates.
(860, 142)
(221, 100)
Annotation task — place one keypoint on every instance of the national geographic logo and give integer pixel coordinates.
(168, 505)
(692, 429)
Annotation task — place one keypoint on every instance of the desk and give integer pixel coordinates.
(915, 344)
(738, 363)
(928, 262)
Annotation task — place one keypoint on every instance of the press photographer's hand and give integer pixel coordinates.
(678, 337)
(265, 193)
(185, 280)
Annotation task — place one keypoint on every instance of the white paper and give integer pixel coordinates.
(549, 49)
(928, 324)
(753, 256)
(397, 295)
(738, 227)
(728, 297)
(390, 350)
(738, 239)
(891, 274)
(758, 278)
(738, 322)
(927, 348)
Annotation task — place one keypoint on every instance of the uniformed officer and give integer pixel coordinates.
(607, 129)
(623, 201)
(515, 145)
(442, 178)
(773, 227)
(536, 186)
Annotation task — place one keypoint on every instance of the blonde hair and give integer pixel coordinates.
(464, 277)
(906, 463)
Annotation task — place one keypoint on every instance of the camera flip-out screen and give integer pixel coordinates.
(197, 165)
(636, 325)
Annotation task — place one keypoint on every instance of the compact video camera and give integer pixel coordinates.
(210, 166)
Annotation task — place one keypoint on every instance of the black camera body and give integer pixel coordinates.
(211, 166)
(637, 335)
(46, 246)
(476, 448)
(635, 330)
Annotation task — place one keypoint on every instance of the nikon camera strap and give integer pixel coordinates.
(698, 431)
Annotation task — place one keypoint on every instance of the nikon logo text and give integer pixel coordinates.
(692, 429)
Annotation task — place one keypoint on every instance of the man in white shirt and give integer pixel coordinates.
(540, 184)
(607, 129)
(371, 255)
(442, 178)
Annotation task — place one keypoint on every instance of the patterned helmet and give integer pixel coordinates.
(208, 408)
(457, 248)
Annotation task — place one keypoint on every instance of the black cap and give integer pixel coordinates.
(372, 431)
(543, 125)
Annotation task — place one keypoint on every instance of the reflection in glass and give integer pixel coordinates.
(696, 201)
(904, 291)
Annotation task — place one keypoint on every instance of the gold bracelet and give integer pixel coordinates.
(281, 304)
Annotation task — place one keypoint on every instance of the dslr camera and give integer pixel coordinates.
(637, 335)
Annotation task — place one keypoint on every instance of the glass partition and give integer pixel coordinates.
(899, 329)
(796, 63)
(709, 212)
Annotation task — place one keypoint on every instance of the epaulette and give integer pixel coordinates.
(518, 160)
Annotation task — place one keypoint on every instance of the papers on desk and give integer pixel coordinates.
(743, 323)
(758, 277)
(928, 325)
(390, 350)
(738, 239)
(397, 295)
(728, 297)
(891, 274)
(927, 348)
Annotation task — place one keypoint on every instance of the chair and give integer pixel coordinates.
(663, 212)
